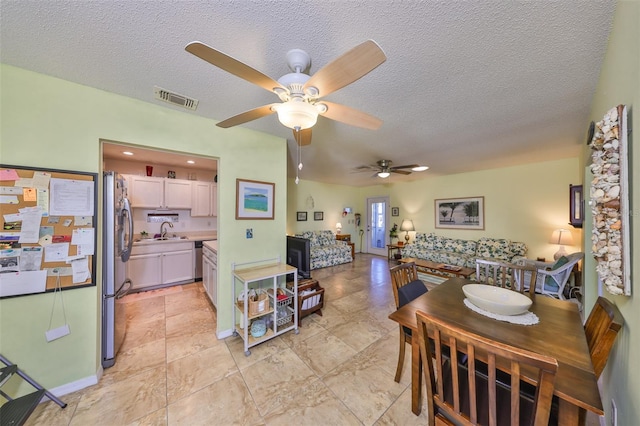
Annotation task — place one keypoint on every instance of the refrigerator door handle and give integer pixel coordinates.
(124, 289)
(126, 211)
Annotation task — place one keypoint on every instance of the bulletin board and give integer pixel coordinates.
(47, 230)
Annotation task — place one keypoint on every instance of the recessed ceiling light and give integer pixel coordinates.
(127, 153)
(191, 162)
(420, 168)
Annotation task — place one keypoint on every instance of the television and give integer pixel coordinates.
(299, 255)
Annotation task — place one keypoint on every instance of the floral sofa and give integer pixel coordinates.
(457, 252)
(326, 250)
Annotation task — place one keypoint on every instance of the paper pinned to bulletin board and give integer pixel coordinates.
(47, 229)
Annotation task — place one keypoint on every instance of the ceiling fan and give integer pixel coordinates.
(384, 168)
(300, 93)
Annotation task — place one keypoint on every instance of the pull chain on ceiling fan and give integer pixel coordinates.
(300, 93)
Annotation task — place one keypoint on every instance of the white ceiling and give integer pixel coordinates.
(466, 86)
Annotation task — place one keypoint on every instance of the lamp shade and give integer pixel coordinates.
(562, 237)
(407, 225)
(297, 114)
(338, 227)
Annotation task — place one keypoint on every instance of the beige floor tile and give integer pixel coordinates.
(276, 377)
(225, 402)
(157, 418)
(136, 360)
(184, 345)
(384, 354)
(308, 328)
(258, 352)
(359, 331)
(140, 308)
(125, 401)
(191, 322)
(174, 303)
(400, 412)
(313, 404)
(140, 333)
(323, 352)
(366, 389)
(194, 372)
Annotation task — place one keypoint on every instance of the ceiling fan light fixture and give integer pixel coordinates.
(420, 168)
(297, 114)
(384, 175)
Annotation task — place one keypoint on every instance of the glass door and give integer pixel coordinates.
(377, 219)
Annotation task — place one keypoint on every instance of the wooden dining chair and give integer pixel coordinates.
(601, 329)
(463, 395)
(515, 277)
(406, 287)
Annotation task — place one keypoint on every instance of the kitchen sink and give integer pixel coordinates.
(174, 238)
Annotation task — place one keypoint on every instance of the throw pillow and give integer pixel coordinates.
(549, 283)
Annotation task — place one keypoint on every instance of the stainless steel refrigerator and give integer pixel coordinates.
(118, 240)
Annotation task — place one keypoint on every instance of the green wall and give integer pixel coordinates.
(51, 123)
(524, 203)
(619, 83)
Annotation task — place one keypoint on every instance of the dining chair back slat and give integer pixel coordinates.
(406, 287)
(460, 393)
(507, 275)
(601, 329)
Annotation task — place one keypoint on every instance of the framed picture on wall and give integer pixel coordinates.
(460, 213)
(395, 211)
(318, 215)
(302, 216)
(254, 199)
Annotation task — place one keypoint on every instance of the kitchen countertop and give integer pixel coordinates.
(212, 245)
(175, 237)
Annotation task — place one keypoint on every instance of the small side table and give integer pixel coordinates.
(391, 248)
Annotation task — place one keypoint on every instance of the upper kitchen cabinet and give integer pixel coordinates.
(204, 199)
(152, 192)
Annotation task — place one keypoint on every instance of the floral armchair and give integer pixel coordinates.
(326, 250)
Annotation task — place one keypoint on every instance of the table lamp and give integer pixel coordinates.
(562, 237)
(338, 227)
(407, 225)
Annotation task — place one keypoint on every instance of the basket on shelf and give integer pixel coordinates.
(258, 303)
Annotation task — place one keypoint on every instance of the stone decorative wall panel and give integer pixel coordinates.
(609, 201)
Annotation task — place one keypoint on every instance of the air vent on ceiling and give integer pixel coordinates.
(175, 98)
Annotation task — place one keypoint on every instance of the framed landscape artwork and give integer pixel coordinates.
(254, 199)
(301, 216)
(460, 213)
(318, 215)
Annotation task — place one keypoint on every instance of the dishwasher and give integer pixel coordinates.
(198, 247)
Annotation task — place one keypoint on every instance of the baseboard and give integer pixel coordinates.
(224, 334)
(75, 386)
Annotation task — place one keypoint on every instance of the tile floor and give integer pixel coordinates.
(172, 370)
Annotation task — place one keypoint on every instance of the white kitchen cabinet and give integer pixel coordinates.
(177, 193)
(204, 199)
(210, 275)
(144, 270)
(160, 263)
(177, 266)
(153, 192)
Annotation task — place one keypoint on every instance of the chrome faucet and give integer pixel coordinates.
(163, 232)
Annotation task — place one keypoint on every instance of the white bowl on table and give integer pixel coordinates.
(498, 300)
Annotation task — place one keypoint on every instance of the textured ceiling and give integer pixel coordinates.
(466, 85)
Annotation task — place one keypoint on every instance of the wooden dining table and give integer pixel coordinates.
(559, 334)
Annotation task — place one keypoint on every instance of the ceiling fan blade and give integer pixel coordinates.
(351, 116)
(233, 66)
(304, 138)
(246, 116)
(346, 69)
(408, 166)
(402, 172)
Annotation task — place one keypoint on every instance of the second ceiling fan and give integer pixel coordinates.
(300, 93)
(384, 169)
